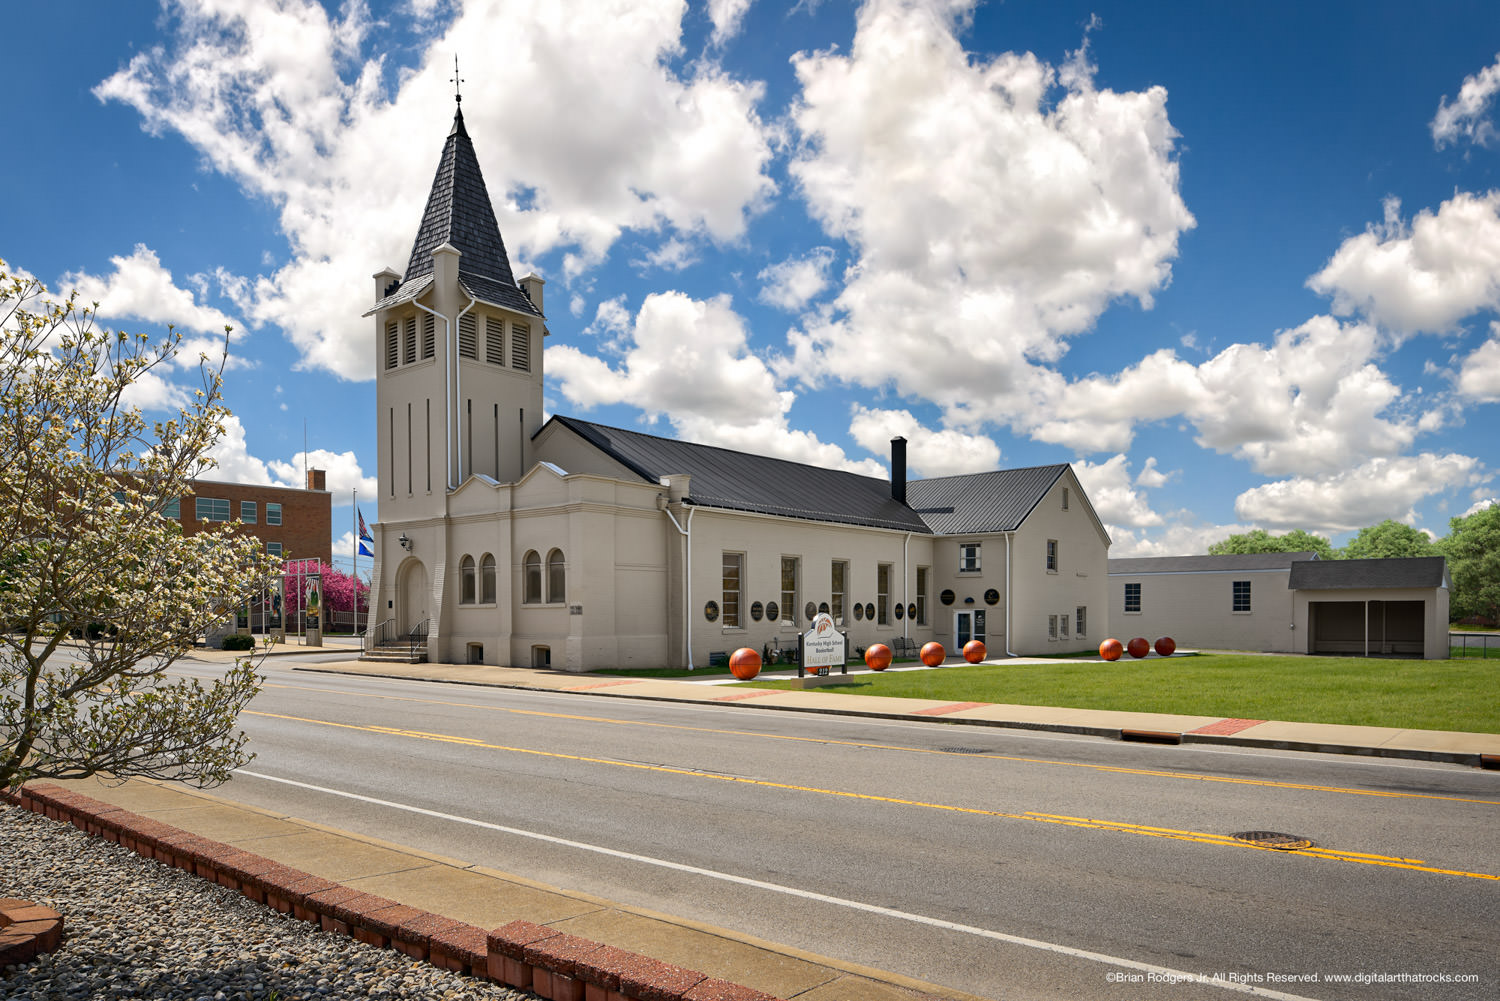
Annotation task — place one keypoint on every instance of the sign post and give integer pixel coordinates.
(823, 647)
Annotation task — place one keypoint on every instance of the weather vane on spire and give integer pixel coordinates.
(457, 97)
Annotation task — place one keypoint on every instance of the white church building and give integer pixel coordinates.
(506, 539)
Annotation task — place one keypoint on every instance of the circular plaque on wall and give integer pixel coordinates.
(811, 610)
(870, 611)
(773, 611)
(911, 610)
(711, 611)
(859, 612)
(992, 597)
(900, 610)
(947, 597)
(757, 610)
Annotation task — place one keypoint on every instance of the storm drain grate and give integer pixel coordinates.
(1272, 839)
(964, 750)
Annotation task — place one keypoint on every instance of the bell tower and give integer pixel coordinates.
(458, 349)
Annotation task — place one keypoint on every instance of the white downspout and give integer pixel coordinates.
(448, 415)
(687, 578)
(458, 377)
(1009, 591)
(906, 583)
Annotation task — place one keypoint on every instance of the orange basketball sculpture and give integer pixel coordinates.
(1138, 647)
(744, 663)
(878, 657)
(974, 651)
(1166, 646)
(933, 654)
(1111, 649)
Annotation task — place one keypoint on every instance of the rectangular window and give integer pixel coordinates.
(1132, 598)
(734, 577)
(883, 595)
(921, 596)
(1065, 498)
(429, 335)
(790, 571)
(273, 548)
(172, 509)
(1052, 556)
(520, 347)
(468, 336)
(1062, 625)
(968, 557)
(494, 340)
(211, 508)
(248, 512)
(273, 513)
(409, 341)
(1241, 596)
(1081, 626)
(1052, 627)
(840, 586)
(392, 344)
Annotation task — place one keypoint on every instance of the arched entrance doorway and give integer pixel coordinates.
(411, 602)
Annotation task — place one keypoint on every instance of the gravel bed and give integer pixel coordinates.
(134, 928)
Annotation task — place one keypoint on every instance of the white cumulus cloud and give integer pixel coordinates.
(996, 206)
(928, 453)
(1117, 501)
(1465, 117)
(1422, 276)
(793, 283)
(1479, 377)
(1364, 495)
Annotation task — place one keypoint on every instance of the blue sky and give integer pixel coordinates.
(1240, 265)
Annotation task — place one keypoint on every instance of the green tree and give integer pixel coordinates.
(1473, 551)
(100, 594)
(1261, 541)
(1387, 540)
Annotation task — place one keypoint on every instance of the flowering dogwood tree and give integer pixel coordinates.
(100, 592)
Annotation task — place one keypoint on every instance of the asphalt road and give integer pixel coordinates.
(999, 862)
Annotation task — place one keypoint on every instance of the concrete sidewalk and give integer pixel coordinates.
(1431, 745)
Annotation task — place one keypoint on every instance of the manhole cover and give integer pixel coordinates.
(1272, 839)
(964, 750)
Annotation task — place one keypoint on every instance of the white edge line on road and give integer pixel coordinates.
(1030, 943)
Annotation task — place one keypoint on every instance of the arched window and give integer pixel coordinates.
(531, 579)
(466, 581)
(557, 577)
(487, 579)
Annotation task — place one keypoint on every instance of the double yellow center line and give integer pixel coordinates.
(1045, 818)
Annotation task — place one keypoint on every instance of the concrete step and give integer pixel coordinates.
(396, 653)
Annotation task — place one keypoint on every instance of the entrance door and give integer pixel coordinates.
(968, 626)
(413, 610)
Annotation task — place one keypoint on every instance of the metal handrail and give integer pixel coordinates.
(418, 635)
(385, 632)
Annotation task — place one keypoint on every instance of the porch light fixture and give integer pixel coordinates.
(405, 542)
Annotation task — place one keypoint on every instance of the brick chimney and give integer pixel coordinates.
(898, 469)
(317, 479)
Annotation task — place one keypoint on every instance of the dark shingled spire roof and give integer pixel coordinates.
(459, 212)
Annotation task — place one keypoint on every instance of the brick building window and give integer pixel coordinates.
(487, 579)
(273, 513)
(467, 581)
(531, 579)
(211, 508)
(248, 512)
(557, 577)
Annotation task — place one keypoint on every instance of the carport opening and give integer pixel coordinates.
(1368, 628)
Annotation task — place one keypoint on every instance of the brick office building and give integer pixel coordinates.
(291, 523)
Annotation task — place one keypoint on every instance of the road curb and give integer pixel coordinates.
(523, 955)
(1114, 733)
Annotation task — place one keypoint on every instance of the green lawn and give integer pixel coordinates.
(1425, 694)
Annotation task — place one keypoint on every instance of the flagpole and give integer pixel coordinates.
(354, 524)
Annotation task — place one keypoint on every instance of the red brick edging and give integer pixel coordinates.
(527, 956)
(27, 930)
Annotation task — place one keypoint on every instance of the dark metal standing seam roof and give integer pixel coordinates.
(997, 501)
(739, 481)
(459, 212)
(1412, 571)
(1224, 563)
